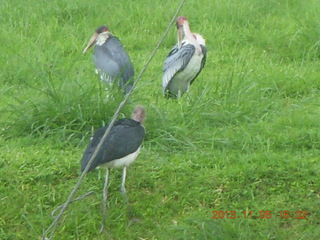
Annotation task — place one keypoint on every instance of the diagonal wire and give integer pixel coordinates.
(54, 224)
(73, 200)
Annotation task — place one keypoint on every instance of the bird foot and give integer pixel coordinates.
(103, 229)
(134, 220)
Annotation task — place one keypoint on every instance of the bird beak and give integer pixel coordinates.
(180, 36)
(190, 36)
(91, 42)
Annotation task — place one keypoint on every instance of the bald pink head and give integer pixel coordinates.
(180, 21)
(99, 30)
(139, 114)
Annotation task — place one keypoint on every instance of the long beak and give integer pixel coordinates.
(91, 42)
(190, 36)
(180, 36)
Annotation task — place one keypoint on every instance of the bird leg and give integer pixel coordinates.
(100, 90)
(188, 97)
(179, 94)
(105, 197)
(123, 191)
(122, 188)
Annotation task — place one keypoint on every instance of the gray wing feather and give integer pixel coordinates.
(113, 61)
(176, 61)
(125, 137)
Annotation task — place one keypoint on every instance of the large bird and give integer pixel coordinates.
(184, 62)
(120, 149)
(111, 59)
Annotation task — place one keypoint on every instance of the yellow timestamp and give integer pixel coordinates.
(259, 214)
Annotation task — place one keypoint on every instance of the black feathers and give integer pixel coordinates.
(125, 137)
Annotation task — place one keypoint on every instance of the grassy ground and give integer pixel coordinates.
(246, 138)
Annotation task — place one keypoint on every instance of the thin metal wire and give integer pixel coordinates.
(74, 200)
(55, 222)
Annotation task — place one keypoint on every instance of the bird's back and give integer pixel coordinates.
(112, 60)
(125, 137)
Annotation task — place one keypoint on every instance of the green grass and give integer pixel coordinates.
(245, 138)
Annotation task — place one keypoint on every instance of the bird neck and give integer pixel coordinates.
(191, 37)
(102, 38)
(200, 39)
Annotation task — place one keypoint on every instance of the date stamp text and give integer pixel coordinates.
(303, 215)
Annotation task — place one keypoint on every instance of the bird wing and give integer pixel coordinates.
(125, 137)
(94, 142)
(112, 59)
(203, 61)
(176, 61)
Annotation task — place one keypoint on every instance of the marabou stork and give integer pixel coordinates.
(111, 59)
(184, 62)
(120, 149)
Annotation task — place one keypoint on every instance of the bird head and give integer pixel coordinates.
(139, 114)
(184, 30)
(99, 37)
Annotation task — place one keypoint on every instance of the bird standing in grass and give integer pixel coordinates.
(120, 149)
(184, 62)
(111, 59)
